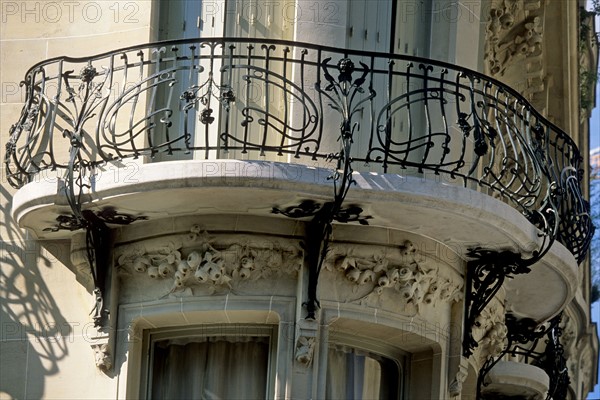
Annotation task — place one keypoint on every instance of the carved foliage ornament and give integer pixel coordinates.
(510, 37)
(102, 356)
(212, 264)
(491, 332)
(305, 347)
(378, 274)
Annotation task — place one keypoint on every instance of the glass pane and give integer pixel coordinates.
(210, 368)
(353, 374)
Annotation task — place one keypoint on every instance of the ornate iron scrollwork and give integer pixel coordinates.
(341, 94)
(417, 114)
(488, 269)
(485, 276)
(98, 234)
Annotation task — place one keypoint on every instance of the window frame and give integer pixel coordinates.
(401, 358)
(151, 336)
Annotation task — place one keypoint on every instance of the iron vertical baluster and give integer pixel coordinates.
(286, 50)
(248, 118)
(168, 113)
(409, 117)
(388, 116)
(112, 124)
(49, 129)
(441, 101)
(153, 107)
(207, 106)
(228, 114)
(372, 124)
(109, 84)
(267, 98)
(465, 128)
(425, 90)
(134, 103)
(303, 54)
(319, 92)
(189, 137)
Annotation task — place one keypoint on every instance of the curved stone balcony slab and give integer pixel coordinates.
(256, 99)
(458, 218)
(509, 379)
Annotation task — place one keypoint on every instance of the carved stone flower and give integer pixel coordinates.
(353, 275)
(140, 264)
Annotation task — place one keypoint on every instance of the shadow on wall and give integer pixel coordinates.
(33, 332)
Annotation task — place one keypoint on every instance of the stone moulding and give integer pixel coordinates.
(401, 271)
(218, 263)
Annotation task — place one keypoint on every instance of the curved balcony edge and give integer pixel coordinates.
(458, 218)
(509, 378)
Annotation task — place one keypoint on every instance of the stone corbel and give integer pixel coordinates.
(79, 260)
(103, 352)
(306, 339)
(101, 340)
(455, 387)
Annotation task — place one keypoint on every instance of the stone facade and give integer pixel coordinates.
(230, 247)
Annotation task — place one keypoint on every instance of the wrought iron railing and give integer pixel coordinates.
(285, 101)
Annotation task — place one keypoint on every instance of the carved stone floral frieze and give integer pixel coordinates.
(382, 273)
(216, 264)
(514, 41)
(512, 32)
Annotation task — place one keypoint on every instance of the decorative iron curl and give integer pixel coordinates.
(488, 269)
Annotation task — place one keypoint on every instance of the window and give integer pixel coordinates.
(357, 374)
(214, 362)
(364, 368)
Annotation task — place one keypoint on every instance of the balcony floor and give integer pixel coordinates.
(458, 218)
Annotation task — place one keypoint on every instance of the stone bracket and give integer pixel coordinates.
(306, 338)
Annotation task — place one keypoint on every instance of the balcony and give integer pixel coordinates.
(378, 129)
(293, 102)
